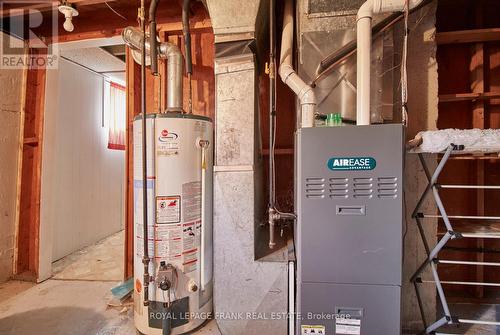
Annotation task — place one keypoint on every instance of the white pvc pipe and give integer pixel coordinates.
(291, 298)
(304, 92)
(203, 144)
(364, 40)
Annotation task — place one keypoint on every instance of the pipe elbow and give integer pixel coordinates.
(367, 9)
(169, 50)
(307, 96)
(391, 6)
(285, 70)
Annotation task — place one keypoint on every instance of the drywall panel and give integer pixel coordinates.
(82, 180)
(11, 105)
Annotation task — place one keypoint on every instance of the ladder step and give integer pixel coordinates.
(446, 261)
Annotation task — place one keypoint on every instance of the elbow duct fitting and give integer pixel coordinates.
(304, 92)
(364, 40)
(133, 38)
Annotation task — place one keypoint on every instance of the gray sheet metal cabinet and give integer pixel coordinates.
(349, 230)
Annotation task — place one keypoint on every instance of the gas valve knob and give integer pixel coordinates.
(164, 285)
(166, 276)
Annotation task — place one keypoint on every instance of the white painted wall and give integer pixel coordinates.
(83, 182)
(11, 106)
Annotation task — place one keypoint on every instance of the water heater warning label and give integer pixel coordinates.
(315, 330)
(168, 209)
(168, 243)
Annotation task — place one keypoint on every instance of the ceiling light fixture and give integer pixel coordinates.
(68, 11)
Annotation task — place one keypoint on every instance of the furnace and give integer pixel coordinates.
(349, 230)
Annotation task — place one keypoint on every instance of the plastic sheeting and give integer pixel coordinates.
(474, 140)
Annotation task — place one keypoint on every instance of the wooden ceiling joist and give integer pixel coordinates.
(16, 9)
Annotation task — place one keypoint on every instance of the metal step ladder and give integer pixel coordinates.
(433, 259)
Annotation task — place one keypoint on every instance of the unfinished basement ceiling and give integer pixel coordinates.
(99, 60)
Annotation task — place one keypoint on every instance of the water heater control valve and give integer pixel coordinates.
(166, 276)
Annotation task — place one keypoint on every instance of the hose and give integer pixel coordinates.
(187, 36)
(145, 258)
(187, 46)
(152, 37)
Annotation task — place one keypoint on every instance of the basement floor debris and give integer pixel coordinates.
(101, 261)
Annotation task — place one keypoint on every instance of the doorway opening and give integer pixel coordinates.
(82, 211)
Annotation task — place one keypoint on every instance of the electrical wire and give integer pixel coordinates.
(114, 11)
(404, 73)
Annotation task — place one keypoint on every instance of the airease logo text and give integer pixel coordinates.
(351, 163)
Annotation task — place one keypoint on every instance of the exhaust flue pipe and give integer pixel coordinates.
(364, 42)
(304, 92)
(134, 39)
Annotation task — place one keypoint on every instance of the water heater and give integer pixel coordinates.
(179, 193)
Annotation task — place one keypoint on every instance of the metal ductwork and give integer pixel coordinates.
(134, 39)
(228, 23)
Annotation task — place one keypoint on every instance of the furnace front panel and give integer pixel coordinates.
(349, 202)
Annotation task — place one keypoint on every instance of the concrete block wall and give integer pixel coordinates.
(11, 106)
(422, 115)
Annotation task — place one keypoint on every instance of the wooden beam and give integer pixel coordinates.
(29, 203)
(33, 141)
(45, 6)
(98, 21)
(20, 161)
(103, 31)
(468, 96)
(468, 36)
(133, 107)
(477, 85)
(285, 151)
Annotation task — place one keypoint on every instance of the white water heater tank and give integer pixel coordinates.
(179, 193)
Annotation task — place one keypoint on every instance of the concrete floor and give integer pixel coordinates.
(61, 307)
(474, 312)
(76, 300)
(101, 261)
